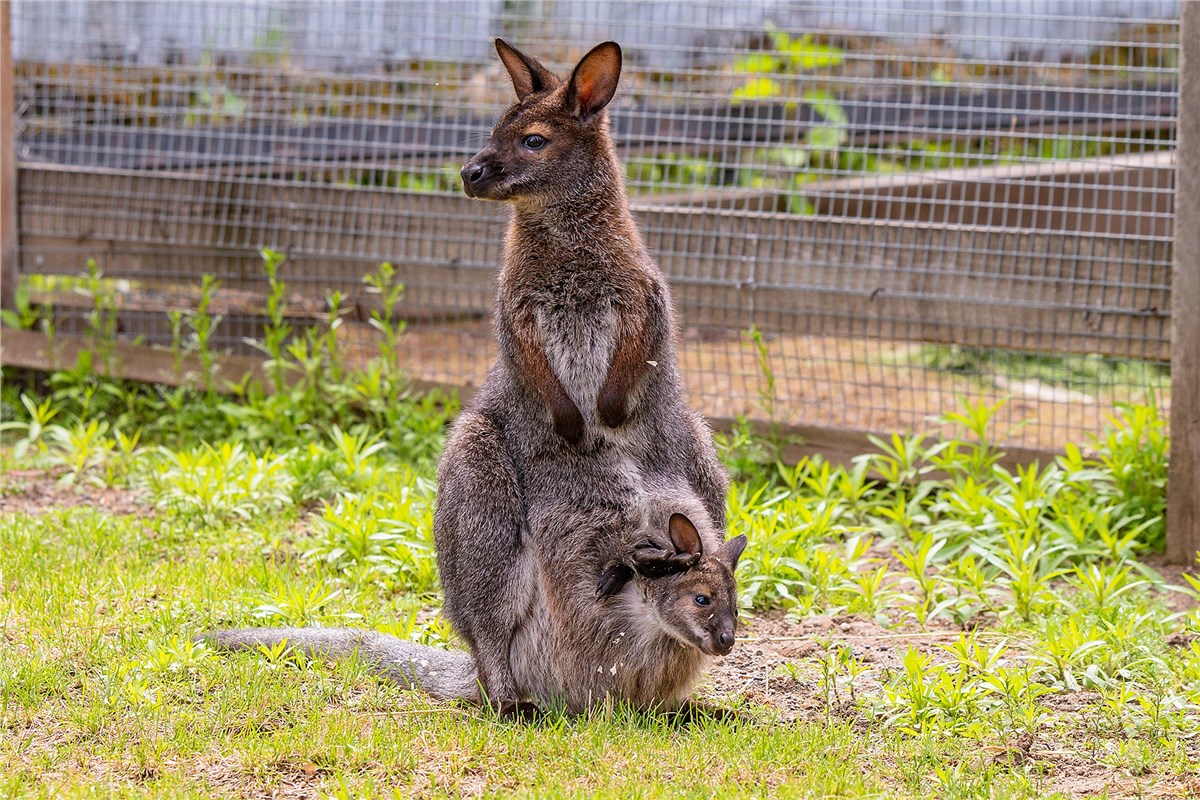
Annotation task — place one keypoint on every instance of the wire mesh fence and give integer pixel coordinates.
(907, 202)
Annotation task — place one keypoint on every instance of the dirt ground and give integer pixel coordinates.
(754, 672)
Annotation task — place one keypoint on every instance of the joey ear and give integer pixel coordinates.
(731, 550)
(594, 81)
(684, 535)
(528, 75)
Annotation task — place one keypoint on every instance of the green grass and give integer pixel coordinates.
(104, 692)
(104, 695)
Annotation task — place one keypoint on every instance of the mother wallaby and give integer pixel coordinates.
(584, 402)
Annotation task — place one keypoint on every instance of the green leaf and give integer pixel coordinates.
(779, 39)
(757, 89)
(757, 64)
(826, 104)
(826, 138)
(799, 204)
(807, 54)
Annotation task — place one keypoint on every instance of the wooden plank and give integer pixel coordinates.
(1027, 288)
(32, 350)
(277, 147)
(174, 228)
(841, 445)
(9, 234)
(1129, 194)
(146, 364)
(1183, 477)
(986, 287)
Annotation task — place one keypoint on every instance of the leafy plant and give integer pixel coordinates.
(219, 484)
(383, 283)
(277, 330)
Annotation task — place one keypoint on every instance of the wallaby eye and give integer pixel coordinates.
(534, 141)
(703, 600)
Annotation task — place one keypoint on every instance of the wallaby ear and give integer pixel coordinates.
(684, 535)
(528, 75)
(731, 550)
(594, 81)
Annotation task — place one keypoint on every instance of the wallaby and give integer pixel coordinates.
(584, 402)
(637, 627)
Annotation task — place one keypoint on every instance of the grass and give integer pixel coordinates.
(921, 623)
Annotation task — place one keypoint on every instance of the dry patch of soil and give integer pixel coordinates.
(32, 491)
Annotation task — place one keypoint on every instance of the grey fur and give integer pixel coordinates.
(442, 673)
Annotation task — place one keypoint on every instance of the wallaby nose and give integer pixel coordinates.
(473, 174)
(725, 641)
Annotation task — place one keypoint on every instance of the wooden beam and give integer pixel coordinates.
(843, 445)
(1025, 288)
(1128, 194)
(9, 240)
(146, 364)
(135, 362)
(1183, 487)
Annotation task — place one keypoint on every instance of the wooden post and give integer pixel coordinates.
(8, 163)
(1183, 477)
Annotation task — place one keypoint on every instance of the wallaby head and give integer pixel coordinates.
(555, 137)
(690, 594)
(699, 605)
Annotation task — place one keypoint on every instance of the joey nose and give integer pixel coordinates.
(725, 641)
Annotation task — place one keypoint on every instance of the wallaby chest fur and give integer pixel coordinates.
(576, 286)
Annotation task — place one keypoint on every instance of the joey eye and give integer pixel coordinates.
(702, 600)
(534, 141)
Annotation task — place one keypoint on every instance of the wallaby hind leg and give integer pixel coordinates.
(478, 532)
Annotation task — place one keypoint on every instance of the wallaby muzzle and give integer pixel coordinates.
(476, 175)
(722, 641)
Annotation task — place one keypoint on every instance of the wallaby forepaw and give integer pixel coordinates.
(611, 408)
(651, 562)
(568, 422)
(612, 579)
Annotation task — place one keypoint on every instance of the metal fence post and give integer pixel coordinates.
(1183, 490)
(8, 163)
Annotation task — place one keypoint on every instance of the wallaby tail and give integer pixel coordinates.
(446, 674)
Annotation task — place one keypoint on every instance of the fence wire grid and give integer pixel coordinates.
(909, 202)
